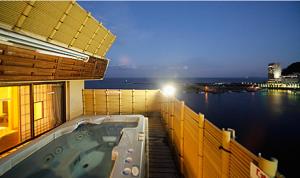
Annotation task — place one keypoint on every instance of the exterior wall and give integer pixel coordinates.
(74, 98)
(295, 78)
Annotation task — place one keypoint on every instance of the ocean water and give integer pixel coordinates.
(265, 122)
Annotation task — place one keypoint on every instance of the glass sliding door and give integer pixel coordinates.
(14, 116)
(25, 129)
(28, 111)
(47, 107)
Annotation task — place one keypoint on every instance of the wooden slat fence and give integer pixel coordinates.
(202, 150)
(102, 101)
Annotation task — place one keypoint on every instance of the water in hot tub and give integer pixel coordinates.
(83, 153)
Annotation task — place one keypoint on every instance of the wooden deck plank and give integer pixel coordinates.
(161, 161)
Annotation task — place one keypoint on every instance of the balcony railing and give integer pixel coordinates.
(201, 148)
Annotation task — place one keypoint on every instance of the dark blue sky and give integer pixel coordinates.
(199, 39)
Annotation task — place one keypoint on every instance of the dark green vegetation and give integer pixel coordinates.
(291, 69)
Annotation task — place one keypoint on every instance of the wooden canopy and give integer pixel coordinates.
(64, 25)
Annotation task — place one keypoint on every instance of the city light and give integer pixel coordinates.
(168, 90)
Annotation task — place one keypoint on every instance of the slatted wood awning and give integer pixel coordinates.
(62, 24)
(19, 64)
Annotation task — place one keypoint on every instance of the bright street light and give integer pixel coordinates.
(168, 90)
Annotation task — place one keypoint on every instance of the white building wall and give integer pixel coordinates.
(74, 98)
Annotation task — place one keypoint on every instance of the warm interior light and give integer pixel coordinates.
(168, 90)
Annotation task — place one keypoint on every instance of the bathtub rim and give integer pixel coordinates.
(11, 160)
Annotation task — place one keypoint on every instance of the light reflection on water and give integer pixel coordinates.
(265, 121)
(206, 98)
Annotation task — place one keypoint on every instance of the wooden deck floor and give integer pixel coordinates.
(161, 162)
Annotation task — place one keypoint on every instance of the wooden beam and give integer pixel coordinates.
(24, 69)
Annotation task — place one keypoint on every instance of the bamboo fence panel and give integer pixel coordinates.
(139, 104)
(191, 143)
(99, 101)
(202, 150)
(109, 101)
(113, 101)
(88, 102)
(178, 127)
(240, 160)
(212, 152)
(126, 102)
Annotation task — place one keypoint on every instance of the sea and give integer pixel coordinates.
(265, 122)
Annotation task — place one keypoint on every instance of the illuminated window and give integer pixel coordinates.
(10, 102)
(38, 110)
(3, 113)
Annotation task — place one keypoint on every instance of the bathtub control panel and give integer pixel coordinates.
(129, 154)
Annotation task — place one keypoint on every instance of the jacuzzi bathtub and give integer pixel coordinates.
(89, 146)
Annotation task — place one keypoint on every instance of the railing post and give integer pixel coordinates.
(83, 101)
(181, 135)
(120, 102)
(200, 146)
(167, 114)
(94, 101)
(163, 108)
(268, 166)
(106, 96)
(146, 103)
(171, 121)
(225, 153)
(132, 101)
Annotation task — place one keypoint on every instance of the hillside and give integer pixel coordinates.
(293, 68)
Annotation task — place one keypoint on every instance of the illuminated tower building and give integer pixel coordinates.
(274, 72)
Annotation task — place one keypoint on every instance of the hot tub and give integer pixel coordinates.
(89, 147)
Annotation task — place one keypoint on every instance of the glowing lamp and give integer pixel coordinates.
(168, 90)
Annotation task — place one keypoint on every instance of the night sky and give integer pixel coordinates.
(199, 39)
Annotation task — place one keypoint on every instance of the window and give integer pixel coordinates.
(4, 113)
(38, 110)
(47, 107)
